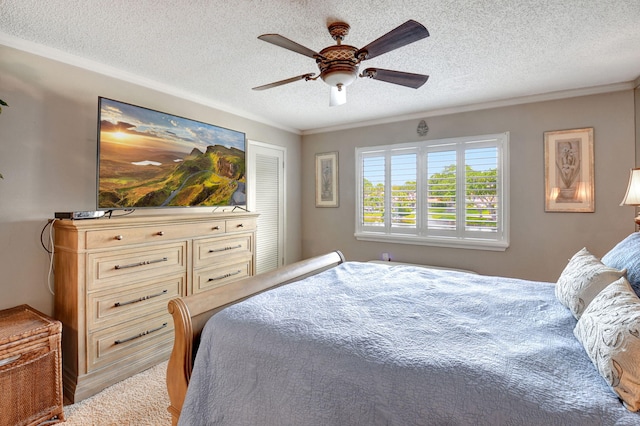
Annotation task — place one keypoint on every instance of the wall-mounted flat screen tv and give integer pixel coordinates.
(151, 159)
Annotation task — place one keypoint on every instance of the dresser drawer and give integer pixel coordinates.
(106, 307)
(222, 274)
(214, 250)
(134, 264)
(118, 237)
(130, 339)
(242, 224)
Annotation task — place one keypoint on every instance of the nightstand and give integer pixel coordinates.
(30, 367)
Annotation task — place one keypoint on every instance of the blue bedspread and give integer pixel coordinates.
(371, 344)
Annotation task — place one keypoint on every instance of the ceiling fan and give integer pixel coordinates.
(339, 64)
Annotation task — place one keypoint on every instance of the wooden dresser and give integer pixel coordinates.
(114, 278)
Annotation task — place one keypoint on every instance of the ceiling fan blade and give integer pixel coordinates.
(287, 81)
(396, 77)
(405, 34)
(281, 41)
(338, 96)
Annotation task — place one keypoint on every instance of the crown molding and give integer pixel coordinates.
(109, 71)
(564, 94)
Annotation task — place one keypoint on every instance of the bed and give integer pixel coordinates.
(353, 343)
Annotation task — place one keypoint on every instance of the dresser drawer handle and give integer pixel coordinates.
(144, 333)
(215, 228)
(146, 262)
(225, 249)
(221, 277)
(9, 360)
(239, 225)
(151, 296)
(119, 237)
(160, 233)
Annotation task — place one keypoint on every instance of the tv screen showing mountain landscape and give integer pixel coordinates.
(148, 158)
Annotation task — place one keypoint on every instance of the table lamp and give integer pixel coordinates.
(632, 197)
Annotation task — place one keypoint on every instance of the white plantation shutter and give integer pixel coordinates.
(449, 192)
(441, 201)
(403, 191)
(373, 193)
(481, 190)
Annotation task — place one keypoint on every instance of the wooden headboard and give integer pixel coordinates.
(191, 313)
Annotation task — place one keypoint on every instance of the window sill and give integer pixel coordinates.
(474, 244)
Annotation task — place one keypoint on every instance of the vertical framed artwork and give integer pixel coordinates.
(327, 179)
(569, 177)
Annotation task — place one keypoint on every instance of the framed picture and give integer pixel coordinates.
(568, 175)
(327, 179)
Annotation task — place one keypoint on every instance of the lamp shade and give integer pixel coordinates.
(338, 96)
(632, 197)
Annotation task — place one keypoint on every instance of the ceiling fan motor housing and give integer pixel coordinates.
(338, 65)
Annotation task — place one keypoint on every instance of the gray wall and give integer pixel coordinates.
(48, 159)
(541, 243)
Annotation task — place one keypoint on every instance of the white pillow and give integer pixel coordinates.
(609, 330)
(582, 279)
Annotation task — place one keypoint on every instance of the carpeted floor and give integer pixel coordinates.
(139, 400)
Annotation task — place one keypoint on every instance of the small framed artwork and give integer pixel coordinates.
(327, 179)
(568, 176)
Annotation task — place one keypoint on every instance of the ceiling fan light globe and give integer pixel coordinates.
(339, 77)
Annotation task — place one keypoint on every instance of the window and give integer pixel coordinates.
(449, 192)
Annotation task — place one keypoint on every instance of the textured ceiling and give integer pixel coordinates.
(479, 51)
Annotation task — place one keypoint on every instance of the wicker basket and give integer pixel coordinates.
(30, 368)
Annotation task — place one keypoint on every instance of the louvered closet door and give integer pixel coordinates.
(266, 166)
